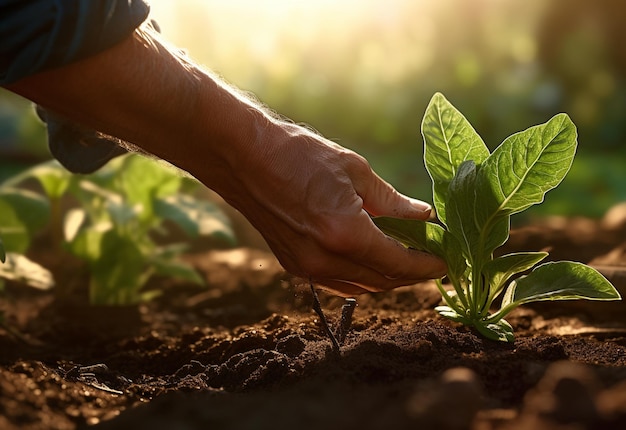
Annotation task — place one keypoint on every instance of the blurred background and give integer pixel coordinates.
(361, 72)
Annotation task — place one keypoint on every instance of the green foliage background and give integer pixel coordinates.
(362, 73)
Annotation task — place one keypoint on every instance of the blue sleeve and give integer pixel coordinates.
(37, 35)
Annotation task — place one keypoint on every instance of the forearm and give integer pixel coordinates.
(310, 198)
(144, 92)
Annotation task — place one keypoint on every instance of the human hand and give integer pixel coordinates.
(311, 199)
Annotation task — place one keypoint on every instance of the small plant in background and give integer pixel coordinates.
(111, 226)
(21, 211)
(475, 193)
(18, 268)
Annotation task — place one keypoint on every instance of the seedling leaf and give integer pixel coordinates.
(119, 272)
(500, 269)
(524, 168)
(562, 280)
(195, 217)
(74, 220)
(19, 268)
(461, 203)
(176, 269)
(449, 141)
(22, 213)
(500, 330)
(450, 313)
(426, 236)
(144, 180)
(53, 178)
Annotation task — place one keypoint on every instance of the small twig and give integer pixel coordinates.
(346, 319)
(317, 307)
(89, 375)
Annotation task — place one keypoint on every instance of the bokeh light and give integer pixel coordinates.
(361, 72)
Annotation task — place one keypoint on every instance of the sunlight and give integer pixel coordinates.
(294, 15)
(265, 26)
(244, 39)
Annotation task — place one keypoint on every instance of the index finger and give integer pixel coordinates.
(389, 257)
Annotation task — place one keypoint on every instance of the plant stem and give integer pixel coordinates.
(447, 299)
(476, 287)
(501, 313)
(460, 292)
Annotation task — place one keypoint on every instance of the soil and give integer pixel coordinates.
(248, 352)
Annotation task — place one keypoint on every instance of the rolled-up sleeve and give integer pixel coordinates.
(43, 34)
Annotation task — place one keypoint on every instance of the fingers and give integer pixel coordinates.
(388, 257)
(360, 259)
(381, 199)
(340, 288)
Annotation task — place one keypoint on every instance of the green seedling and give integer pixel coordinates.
(110, 220)
(475, 192)
(14, 226)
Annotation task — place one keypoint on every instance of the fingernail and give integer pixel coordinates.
(420, 205)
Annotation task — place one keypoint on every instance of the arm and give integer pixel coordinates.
(309, 197)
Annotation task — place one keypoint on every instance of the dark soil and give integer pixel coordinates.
(249, 352)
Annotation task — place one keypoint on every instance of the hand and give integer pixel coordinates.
(312, 199)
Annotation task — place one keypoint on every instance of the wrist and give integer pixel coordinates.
(227, 131)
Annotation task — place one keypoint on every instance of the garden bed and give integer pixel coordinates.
(249, 352)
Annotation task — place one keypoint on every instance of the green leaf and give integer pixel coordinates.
(19, 268)
(23, 213)
(562, 280)
(86, 243)
(143, 180)
(165, 262)
(32, 209)
(460, 207)
(53, 177)
(524, 168)
(449, 140)
(122, 213)
(500, 330)
(120, 272)
(421, 235)
(178, 270)
(500, 269)
(428, 237)
(87, 191)
(196, 217)
(73, 222)
(477, 244)
(451, 314)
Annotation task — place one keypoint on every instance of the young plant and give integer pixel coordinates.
(15, 226)
(475, 193)
(112, 228)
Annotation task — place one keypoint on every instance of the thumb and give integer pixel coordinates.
(382, 199)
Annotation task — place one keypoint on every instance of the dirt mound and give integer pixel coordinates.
(249, 352)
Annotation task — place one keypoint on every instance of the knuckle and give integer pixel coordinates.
(360, 166)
